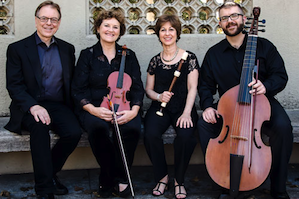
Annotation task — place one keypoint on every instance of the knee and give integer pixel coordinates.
(283, 130)
(39, 129)
(76, 135)
(200, 122)
(96, 128)
(281, 133)
(151, 135)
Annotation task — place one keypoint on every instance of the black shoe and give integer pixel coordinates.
(46, 196)
(104, 192)
(123, 194)
(60, 189)
(283, 195)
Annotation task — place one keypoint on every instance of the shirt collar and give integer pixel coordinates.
(99, 49)
(39, 41)
(225, 45)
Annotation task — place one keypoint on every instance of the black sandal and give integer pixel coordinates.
(180, 191)
(123, 194)
(157, 189)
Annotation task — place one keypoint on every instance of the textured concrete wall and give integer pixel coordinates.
(281, 29)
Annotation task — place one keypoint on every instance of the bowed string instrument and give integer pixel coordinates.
(238, 159)
(176, 75)
(119, 84)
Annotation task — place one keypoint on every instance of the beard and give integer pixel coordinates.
(240, 28)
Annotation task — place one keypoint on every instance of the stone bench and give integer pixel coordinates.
(12, 142)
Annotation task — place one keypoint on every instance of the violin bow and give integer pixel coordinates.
(176, 74)
(121, 147)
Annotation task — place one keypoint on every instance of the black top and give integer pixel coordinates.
(163, 78)
(222, 66)
(92, 71)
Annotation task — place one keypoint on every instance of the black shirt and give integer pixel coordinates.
(52, 80)
(222, 66)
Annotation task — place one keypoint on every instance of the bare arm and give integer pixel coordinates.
(153, 95)
(185, 120)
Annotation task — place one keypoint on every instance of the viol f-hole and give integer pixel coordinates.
(176, 74)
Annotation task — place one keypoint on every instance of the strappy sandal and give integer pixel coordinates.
(157, 189)
(180, 191)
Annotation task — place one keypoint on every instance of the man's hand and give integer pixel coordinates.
(209, 115)
(40, 114)
(258, 87)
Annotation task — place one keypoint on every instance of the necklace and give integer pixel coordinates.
(169, 60)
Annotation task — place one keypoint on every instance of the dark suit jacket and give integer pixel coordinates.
(24, 77)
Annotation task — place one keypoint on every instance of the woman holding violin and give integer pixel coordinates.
(179, 111)
(94, 79)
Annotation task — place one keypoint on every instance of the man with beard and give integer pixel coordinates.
(221, 70)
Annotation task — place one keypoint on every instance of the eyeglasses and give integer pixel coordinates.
(233, 16)
(53, 20)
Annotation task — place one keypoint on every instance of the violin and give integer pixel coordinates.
(118, 83)
(238, 159)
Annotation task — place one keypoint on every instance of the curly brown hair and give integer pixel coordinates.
(109, 14)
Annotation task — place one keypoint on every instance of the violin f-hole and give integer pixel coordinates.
(221, 141)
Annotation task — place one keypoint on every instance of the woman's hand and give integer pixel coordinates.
(103, 113)
(126, 116)
(184, 121)
(99, 112)
(166, 96)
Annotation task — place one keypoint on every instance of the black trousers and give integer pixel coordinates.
(184, 142)
(106, 149)
(46, 161)
(280, 132)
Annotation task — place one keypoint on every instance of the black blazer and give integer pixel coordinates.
(24, 77)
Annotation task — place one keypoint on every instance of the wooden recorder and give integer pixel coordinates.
(176, 74)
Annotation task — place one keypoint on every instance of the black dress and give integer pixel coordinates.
(185, 141)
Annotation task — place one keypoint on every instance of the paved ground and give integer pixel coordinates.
(83, 184)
